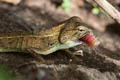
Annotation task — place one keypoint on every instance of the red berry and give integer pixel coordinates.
(88, 39)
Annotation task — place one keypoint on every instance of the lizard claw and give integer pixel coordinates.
(78, 53)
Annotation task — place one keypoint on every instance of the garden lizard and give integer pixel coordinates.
(67, 34)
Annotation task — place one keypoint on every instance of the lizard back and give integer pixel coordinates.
(42, 40)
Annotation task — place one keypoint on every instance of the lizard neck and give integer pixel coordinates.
(52, 32)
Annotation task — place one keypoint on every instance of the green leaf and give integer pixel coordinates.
(66, 5)
(5, 74)
(95, 11)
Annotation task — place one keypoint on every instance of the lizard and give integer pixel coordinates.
(67, 34)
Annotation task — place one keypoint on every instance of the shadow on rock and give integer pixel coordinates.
(113, 28)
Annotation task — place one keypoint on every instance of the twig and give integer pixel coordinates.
(112, 11)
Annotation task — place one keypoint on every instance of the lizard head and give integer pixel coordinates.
(75, 32)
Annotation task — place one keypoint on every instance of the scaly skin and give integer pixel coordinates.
(63, 36)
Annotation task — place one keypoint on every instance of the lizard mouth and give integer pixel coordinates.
(89, 39)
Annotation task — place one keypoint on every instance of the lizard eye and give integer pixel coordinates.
(81, 30)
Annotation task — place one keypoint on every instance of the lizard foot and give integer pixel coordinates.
(78, 53)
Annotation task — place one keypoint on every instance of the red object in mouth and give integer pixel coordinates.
(88, 39)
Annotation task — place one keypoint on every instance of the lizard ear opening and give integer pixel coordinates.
(68, 28)
(64, 33)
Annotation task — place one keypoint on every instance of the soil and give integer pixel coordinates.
(101, 63)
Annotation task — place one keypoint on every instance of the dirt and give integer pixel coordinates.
(102, 63)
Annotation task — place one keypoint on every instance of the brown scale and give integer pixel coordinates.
(42, 44)
(11, 42)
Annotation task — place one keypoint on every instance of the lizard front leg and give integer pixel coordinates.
(73, 53)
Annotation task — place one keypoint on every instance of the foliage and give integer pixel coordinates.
(5, 74)
(66, 5)
(95, 10)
